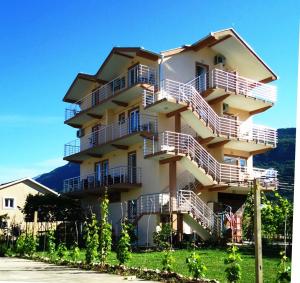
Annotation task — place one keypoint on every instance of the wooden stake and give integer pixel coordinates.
(257, 233)
(35, 224)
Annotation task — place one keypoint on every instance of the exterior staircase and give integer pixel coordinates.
(196, 213)
(201, 164)
(203, 119)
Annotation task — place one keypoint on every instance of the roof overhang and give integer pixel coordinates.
(83, 83)
(27, 179)
(121, 56)
(228, 43)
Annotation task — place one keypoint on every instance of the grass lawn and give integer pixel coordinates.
(213, 259)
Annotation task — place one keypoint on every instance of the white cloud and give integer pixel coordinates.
(9, 173)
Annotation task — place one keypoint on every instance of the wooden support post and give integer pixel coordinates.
(172, 184)
(257, 233)
(35, 223)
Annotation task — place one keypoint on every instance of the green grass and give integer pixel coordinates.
(213, 259)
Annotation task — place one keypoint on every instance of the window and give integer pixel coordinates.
(9, 203)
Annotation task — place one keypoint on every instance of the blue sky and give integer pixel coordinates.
(44, 44)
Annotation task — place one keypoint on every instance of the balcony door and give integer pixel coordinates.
(132, 75)
(132, 172)
(134, 120)
(102, 173)
(202, 77)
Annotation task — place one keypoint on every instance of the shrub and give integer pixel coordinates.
(196, 266)
(162, 238)
(233, 271)
(284, 270)
(62, 251)
(26, 245)
(75, 253)
(123, 250)
(168, 261)
(92, 240)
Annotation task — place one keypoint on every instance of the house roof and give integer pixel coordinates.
(121, 54)
(215, 38)
(88, 81)
(11, 183)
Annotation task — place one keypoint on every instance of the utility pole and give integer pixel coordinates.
(257, 232)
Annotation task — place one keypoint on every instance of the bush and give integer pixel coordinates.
(284, 270)
(123, 250)
(196, 266)
(162, 239)
(168, 261)
(26, 245)
(62, 251)
(75, 253)
(233, 271)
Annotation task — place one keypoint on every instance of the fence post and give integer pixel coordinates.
(35, 224)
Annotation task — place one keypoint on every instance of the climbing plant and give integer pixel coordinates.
(92, 240)
(123, 250)
(196, 265)
(105, 230)
(233, 270)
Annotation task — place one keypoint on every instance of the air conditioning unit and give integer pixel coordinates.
(220, 59)
(80, 133)
(225, 107)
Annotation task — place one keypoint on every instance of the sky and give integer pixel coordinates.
(44, 44)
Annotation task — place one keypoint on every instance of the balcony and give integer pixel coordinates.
(243, 93)
(116, 179)
(119, 135)
(197, 112)
(118, 92)
(201, 164)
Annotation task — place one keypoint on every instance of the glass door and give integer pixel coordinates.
(132, 174)
(102, 173)
(134, 121)
(201, 74)
(132, 76)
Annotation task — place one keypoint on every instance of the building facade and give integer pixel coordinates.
(13, 197)
(170, 134)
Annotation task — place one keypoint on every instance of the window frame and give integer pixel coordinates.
(9, 207)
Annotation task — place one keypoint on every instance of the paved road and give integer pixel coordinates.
(13, 270)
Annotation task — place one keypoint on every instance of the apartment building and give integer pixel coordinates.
(170, 134)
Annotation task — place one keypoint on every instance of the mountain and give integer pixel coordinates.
(281, 158)
(54, 179)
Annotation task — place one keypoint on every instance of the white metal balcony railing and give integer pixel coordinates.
(108, 133)
(229, 81)
(185, 144)
(112, 176)
(232, 128)
(138, 74)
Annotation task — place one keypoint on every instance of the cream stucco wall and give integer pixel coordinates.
(19, 193)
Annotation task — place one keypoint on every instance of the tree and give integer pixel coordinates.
(123, 250)
(105, 230)
(52, 208)
(92, 240)
(168, 261)
(276, 210)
